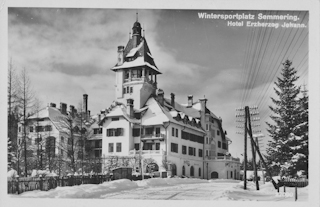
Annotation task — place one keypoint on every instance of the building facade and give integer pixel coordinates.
(181, 139)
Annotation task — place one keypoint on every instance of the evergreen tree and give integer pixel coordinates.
(299, 138)
(286, 116)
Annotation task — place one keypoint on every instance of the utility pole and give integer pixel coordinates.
(257, 137)
(245, 116)
(253, 151)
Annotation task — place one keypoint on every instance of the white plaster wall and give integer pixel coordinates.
(125, 140)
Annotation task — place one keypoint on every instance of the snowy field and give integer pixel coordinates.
(171, 189)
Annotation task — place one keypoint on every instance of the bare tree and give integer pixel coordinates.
(25, 98)
(12, 109)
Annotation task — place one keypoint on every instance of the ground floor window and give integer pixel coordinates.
(191, 171)
(231, 174)
(118, 147)
(183, 170)
(214, 175)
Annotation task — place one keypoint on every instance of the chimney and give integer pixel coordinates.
(190, 100)
(99, 117)
(120, 54)
(85, 103)
(160, 96)
(130, 107)
(71, 110)
(172, 100)
(63, 108)
(52, 105)
(88, 114)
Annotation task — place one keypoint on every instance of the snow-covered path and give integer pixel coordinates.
(171, 189)
(195, 191)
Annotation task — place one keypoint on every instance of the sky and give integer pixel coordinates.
(68, 52)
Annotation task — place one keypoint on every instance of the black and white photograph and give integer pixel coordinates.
(153, 103)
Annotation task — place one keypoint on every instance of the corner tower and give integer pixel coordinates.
(136, 71)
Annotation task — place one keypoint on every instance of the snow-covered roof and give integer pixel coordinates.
(139, 61)
(144, 57)
(157, 115)
(134, 50)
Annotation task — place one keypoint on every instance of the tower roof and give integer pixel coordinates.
(137, 56)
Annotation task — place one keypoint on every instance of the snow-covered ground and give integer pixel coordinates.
(172, 189)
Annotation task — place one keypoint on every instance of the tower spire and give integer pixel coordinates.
(136, 16)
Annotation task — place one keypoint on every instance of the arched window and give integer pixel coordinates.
(191, 171)
(214, 175)
(183, 170)
(199, 172)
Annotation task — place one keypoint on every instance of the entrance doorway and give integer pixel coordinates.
(214, 175)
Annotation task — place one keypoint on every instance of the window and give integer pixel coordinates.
(213, 133)
(219, 144)
(48, 128)
(184, 150)
(199, 172)
(110, 147)
(115, 132)
(207, 127)
(190, 150)
(136, 132)
(207, 153)
(157, 132)
(192, 137)
(131, 89)
(149, 131)
(218, 132)
(19, 129)
(230, 174)
(128, 89)
(191, 171)
(174, 147)
(118, 147)
(31, 128)
(157, 146)
(39, 129)
(207, 140)
(97, 153)
(124, 90)
(200, 152)
(136, 146)
(98, 144)
(126, 75)
(115, 119)
(224, 146)
(177, 135)
(62, 140)
(183, 170)
(172, 131)
(97, 131)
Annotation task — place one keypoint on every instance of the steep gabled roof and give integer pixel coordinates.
(141, 55)
(158, 115)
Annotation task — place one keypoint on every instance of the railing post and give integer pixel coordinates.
(41, 183)
(296, 193)
(18, 184)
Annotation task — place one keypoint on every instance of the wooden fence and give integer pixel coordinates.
(20, 185)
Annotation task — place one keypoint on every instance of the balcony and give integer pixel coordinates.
(223, 158)
(152, 137)
(149, 152)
